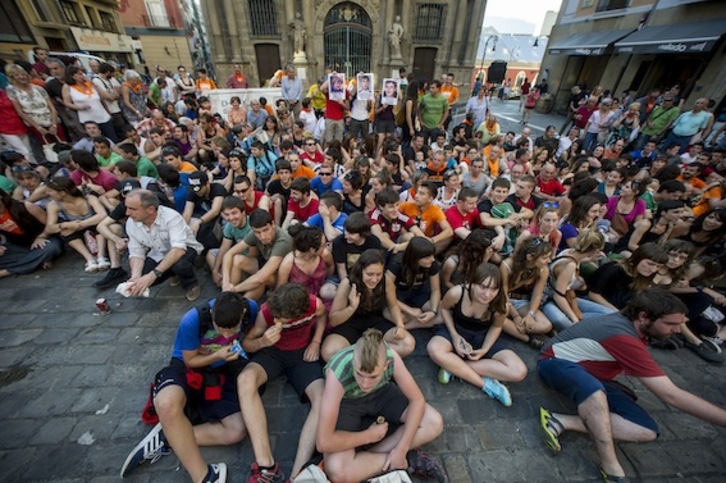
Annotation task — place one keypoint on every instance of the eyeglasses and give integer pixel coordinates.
(551, 205)
(681, 256)
(325, 174)
(309, 144)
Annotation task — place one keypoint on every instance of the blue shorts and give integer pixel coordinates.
(573, 381)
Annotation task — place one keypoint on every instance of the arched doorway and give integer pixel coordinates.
(347, 39)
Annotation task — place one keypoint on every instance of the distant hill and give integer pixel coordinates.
(508, 25)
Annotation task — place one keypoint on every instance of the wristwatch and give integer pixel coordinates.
(157, 273)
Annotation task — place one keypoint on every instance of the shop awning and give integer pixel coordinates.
(689, 38)
(590, 43)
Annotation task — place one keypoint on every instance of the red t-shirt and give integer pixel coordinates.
(104, 179)
(552, 187)
(334, 110)
(297, 333)
(302, 213)
(395, 227)
(10, 122)
(459, 220)
(317, 158)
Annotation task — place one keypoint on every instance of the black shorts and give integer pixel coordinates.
(353, 329)
(198, 409)
(385, 127)
(358, 414)
(414, 298)
(473, 337)
(300, 373)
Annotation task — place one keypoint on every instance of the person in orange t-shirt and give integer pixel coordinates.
(204, 83)
(429, 217)
(451, 93)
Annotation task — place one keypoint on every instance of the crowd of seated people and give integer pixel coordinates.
(330, 250)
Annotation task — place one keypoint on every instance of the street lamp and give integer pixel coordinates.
(493, 37)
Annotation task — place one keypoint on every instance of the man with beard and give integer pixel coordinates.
(582, 361)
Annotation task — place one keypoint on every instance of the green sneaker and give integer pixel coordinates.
(549, 432)
(444, 376)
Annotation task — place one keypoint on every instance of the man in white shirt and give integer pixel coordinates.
(161, 245)
(566, 141)
(526, 135)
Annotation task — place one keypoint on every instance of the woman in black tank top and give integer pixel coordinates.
(467, 345)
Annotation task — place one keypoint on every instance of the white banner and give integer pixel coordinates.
(220, 97)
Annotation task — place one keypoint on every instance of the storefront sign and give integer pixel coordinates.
(220, 97)
(683, 47)
(577, 51)
(98, 41)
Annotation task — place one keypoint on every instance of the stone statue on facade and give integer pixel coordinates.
(299, 35)
(394, 38)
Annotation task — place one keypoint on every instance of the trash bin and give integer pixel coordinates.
(544, 104)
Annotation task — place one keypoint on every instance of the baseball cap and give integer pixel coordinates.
(128, 185)
(197, 180)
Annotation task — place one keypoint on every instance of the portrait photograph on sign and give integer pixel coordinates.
(336, 87)
(389, 94)
(365, 87)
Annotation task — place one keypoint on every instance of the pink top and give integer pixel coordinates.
(638, 209)
(313, 281)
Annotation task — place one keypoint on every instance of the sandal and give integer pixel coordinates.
(608, 478)
(550, 431)
(91, 266)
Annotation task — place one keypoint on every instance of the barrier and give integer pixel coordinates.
(220, 97)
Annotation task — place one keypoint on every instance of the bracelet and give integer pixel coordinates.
(315, 341)
(532, 314)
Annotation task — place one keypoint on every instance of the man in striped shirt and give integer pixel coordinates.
(368, 425)
(582, 361)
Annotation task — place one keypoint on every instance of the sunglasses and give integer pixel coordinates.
(309, 144)
(551, 205)
(325, 174)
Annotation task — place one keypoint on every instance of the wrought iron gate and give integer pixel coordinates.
(347, 39)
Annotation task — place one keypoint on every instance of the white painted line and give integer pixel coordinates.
(531, 126)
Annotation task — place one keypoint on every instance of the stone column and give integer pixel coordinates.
(456, 45)
(236, 54)
(474, 33)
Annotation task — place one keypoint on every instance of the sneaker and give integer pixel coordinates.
(217, 473)
(91, 266)
(610, 478)
(713, 343)
(273, 475)
(151, 449)
(666, 344)
(536, 342)
(425, 466)
(174, 281)
(114, 276)
(496, 390)
(193, 293)
(705, 353)
(444, 376)
(103, 264)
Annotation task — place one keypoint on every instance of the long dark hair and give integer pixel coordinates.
(715, 234)
(471, 253)
(369, 257)
(649, 251)
(487, 271)
(418, 248)
(578, 213)
(536, 247)
(64, 185)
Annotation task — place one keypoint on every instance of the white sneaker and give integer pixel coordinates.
(103, 264)
(217, 473)
(91, 266)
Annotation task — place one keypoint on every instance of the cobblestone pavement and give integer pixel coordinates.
(75, 381)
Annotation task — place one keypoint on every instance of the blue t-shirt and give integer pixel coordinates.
(317, 220)
(317, 186)
(189, 339)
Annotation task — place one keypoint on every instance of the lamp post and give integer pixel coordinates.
(486, 46)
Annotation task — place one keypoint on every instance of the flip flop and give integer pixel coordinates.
(547, 422)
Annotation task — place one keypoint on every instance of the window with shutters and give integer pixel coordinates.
(430, 21)
(12, 24)
(263, 18)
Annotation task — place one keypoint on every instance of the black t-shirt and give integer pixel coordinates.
(410, 155)
(203, 204)
(421, 282)
(551, 144)
(486, 206)
(344, 252)
(275, 188)
(613, 283)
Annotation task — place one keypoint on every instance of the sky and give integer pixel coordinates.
(532, 11)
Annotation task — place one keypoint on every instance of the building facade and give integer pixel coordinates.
(164, 32)
(428, 38)
(638, 45)
(92, 26)
(522, 53)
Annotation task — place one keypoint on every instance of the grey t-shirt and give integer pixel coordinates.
(281, 246)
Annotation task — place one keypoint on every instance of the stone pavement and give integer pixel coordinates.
(74, 383)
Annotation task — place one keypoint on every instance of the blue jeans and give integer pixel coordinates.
(682, 141)
(587, 307)
(590, 141)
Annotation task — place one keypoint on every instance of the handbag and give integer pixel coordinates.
(50, 155)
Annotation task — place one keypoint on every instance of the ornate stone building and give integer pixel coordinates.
(428, 38)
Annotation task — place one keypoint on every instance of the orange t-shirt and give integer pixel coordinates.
(304, 172)
(206, 84)
(450, 93)
(697, 183)
(428, 220)
(703, 205)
